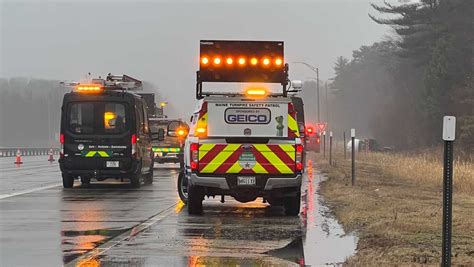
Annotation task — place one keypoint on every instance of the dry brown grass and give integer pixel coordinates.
(395, 208)
(423, 169)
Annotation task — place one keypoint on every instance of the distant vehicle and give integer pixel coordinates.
(243, 144)
(312, 139)
(367, 144)
(105, 133)
(170, 148)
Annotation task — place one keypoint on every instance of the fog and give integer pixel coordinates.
(158, 41)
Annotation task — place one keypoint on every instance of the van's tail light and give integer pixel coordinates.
(61, 140)
(134, 144)
(299, 157)
(194, 156)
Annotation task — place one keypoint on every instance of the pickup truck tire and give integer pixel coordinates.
(195, 198)
(292, 205)
(68, 181)
(183, 187)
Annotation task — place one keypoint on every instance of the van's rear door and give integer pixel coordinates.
(97, 135)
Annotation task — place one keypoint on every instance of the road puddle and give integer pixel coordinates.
(325, 242)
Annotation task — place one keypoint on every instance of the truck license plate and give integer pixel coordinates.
(112, 164)
(246, 180)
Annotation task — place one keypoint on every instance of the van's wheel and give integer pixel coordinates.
(85, 180)
(195, 198)
(136, 181)
(292, 205)
(148, 178)
(183, 186)
(68, 180)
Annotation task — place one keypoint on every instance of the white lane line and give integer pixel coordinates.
(92, 255)
(29, 191)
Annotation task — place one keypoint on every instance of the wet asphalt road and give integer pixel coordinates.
(111, 224)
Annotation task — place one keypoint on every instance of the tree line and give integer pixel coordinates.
(401, 88)
(30, 111)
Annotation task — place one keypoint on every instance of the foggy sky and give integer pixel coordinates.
(159, 41)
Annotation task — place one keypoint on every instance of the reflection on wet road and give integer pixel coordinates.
(111, 224)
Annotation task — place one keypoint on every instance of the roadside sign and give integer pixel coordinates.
(321, 126)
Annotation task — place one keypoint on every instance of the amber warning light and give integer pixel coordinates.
(241, 61)
(88, 88)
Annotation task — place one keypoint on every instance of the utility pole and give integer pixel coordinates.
(327, 105)
(317, 92)
(313, 68)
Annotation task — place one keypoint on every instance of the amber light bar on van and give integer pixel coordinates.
(89, 88)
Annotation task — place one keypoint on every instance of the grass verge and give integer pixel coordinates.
(395, 207)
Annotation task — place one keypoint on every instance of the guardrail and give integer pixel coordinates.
(28, 151)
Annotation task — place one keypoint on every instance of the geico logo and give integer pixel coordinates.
(232, 118)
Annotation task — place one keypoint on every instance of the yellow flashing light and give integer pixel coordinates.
(229, 61)
(200, 130)
(204, 60)
(86, 88)
(256, 92)
(217, 61)
(254, 61)
(266, 61)
(278, 61)
(241, 61)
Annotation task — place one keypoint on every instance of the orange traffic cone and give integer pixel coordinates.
(18, 157)
(51, 158)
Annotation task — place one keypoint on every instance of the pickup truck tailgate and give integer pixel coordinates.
(247, 158)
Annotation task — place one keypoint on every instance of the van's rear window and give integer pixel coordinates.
(97, 118)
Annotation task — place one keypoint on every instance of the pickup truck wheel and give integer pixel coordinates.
(292, 205)
(183, 186)
(195, 198)
(68, 180)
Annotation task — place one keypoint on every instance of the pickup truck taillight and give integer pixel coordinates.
(194, 156)
(134, 145)
(61, 140)
(299, 157)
